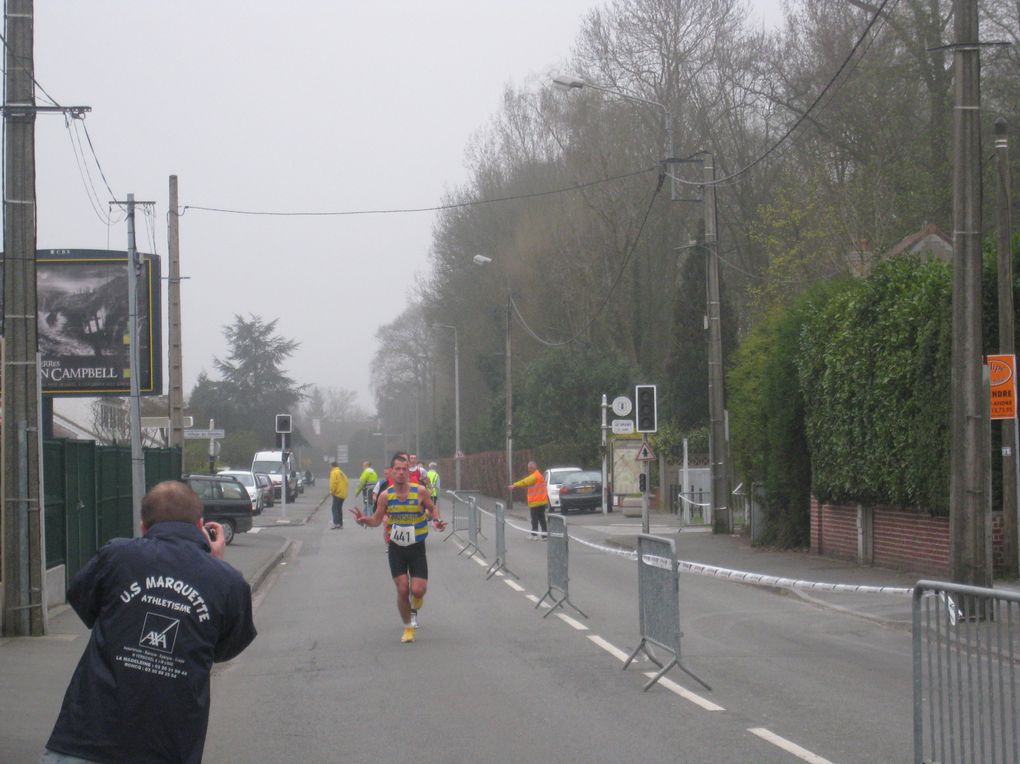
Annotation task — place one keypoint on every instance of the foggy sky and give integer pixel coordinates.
(314, 105)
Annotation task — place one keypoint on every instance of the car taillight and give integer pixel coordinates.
(563, 490)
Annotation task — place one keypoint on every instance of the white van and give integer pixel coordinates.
(271, 463)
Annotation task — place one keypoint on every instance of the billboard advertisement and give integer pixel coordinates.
(82, 319)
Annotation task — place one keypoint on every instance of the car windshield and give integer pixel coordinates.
(583, 477)
(233, 491)
(272, 468)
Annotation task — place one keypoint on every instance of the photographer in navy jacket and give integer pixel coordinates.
(162, 608)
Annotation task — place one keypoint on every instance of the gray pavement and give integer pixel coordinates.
(33, 688)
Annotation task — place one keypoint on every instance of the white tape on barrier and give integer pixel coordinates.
(743, 576)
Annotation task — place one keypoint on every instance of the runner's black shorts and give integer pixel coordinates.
(409, 560)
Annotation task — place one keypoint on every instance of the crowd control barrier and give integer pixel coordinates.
(559, 579)
(472, 539)
(499, 564)
(966, 644)
(659, 605)
(459, 520)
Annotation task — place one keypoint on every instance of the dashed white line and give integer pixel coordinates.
(480, 561)
(610, 648)
(256, 529)
(536, 600)
(686, 694)
(513, 585)
(788, 746)
(575, 623)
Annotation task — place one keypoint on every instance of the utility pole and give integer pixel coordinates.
(1006, 346)
(174, 315)
(969, 501)
(137, 457)
(722, 519)
(23, 552)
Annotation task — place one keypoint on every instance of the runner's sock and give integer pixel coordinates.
(417, 602)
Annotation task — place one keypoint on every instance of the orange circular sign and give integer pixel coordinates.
(1000, 372)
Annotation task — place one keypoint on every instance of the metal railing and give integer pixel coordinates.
(966, 644)
(558, 592)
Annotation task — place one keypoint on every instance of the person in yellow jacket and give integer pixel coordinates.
(538, 499)
(338, 490)
(366, 482)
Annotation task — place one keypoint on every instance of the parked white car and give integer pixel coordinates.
(251, 485)
(553, 480)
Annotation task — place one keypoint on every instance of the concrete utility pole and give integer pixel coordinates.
(969, 501)
(174, 315)
(137, 456)
(1006, 346)
(23, 553)
(722, 519)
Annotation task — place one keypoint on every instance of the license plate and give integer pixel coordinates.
(585, 489)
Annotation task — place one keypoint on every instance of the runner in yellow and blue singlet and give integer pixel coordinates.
(406, 508)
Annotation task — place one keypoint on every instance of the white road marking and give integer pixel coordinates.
(788, 746)
(686, 694)
(610, 648)
(536, 600)
(255, 529)
(480, 561)
(576, 624)
(513, 585)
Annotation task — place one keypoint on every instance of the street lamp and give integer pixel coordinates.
(457, 455)
(721, 516)
(483, 260)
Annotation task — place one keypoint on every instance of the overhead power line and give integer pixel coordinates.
(612, 288)
(404, 210)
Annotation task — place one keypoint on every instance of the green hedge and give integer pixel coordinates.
(874, 370)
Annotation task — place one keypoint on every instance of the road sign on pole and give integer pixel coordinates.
(645, 453)
(204, 434)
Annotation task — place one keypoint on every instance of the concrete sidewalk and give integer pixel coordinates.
(34, 671)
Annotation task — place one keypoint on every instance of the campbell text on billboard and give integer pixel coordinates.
(82, 322)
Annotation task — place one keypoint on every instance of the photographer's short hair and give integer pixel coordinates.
(171, 500)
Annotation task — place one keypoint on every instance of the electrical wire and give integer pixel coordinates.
(612, 288)
(86, 178)
(829, 86)
(437, 208)
(49, 98)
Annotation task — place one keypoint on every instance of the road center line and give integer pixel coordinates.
(686, 694)
(610, 648)
(788, 746)
(576, 624)
(513, 585)
(480, 561)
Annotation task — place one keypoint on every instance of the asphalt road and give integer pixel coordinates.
(489, 679)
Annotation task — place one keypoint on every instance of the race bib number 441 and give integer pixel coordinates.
(402, 535)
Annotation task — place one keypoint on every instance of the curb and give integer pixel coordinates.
(263, 572)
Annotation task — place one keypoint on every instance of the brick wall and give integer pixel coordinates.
(911, 540)
(904, 539)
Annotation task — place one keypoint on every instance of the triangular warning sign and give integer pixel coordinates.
(645, 453)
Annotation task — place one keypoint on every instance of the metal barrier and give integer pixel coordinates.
(472, 540)
(459, 518)
(966, 645)
(499, 564)
(559, 579)
(659, 605)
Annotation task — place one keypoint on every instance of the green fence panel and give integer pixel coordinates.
(113, 490)
(55, 502)
(161, 464)
(80, 489)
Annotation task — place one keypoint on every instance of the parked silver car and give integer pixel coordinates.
(251, 485)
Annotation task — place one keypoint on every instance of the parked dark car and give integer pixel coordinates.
(225, 501)
(581, 490)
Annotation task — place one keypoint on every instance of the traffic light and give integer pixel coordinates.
(283, 422)
(646, 414)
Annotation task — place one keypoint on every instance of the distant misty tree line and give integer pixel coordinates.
(868, 166)
(252, 388)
